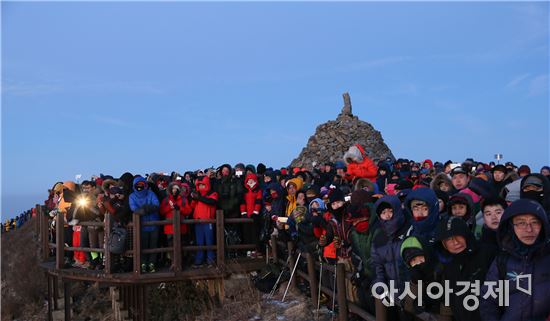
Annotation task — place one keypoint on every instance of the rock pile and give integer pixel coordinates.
(333, 138)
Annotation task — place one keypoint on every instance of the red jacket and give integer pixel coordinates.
(205, 205)
(253, 197)
(167, 212)
(365, 169)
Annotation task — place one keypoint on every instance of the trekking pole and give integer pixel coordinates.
(319, 294)
(291, 275)
(266, 254)
(278, 279)
(333, 293)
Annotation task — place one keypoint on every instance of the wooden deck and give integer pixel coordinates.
(241, 265)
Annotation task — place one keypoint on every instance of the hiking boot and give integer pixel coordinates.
(143, 268)
(151, 268)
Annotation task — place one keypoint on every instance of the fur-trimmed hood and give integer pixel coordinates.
(354, 154)
(440, 178)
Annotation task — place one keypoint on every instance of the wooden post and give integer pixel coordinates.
(55, 292)
(67, 298)
(274, 249)
(220, 241)
(380, 310)
(107, 232)
(142, 301)
(37, 222)
(137, 244)
(60, 242)
(341, 292)
(44, 235)
(176, 260)
(312, 275)
(50, 296)
(291, 261)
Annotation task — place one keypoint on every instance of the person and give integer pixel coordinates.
(442, 182)
(292, 187)
(460, 178)
(545, 171)
(500, 180)
(536, 187)
(524, 170)
(422, 206)
(359, 165)
(463, 260)
(386, 260)
(461, 205)
(423, 266)
(175, 201)
(251, 206)
(146, 204)
(204, 202)
(492, 209)
(523, 235)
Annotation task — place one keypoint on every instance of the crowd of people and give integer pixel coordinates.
(16, 222)
(397, 225)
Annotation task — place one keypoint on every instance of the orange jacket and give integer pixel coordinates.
(204, 207)
(365, 169)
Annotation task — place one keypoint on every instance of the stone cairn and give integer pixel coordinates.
(333, 138)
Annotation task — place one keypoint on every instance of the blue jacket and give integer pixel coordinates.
(146, 197)
(386, 247)
(519, 259)
(425, 228)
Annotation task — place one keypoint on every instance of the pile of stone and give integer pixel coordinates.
(333, 138)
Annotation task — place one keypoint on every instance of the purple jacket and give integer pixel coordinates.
(518, 260)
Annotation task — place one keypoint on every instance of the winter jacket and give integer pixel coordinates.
(518, 259)
(470, 217)
(252, 200)
(146, 203)
(468, 266)
(229, 191)
(386, 248)
(426, 227)
(204, 205)
(366, 168)
(544, 197)
(167, 210)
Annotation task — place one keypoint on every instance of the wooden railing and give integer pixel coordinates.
(43, 230)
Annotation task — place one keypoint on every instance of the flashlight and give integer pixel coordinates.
(82, 202)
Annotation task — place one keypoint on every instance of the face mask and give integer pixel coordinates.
(140, 188)
(534, 195)
(176, 193)
(419, 218)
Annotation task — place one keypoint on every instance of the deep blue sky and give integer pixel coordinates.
(107, 87)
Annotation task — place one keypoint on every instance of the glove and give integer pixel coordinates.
(243, 214)
(176, 207)
(255, 213)
(337, 243)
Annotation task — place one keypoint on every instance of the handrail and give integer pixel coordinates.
(176, 250)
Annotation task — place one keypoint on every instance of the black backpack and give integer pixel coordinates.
(117, 240)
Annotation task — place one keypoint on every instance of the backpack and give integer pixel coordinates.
(117, 240)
